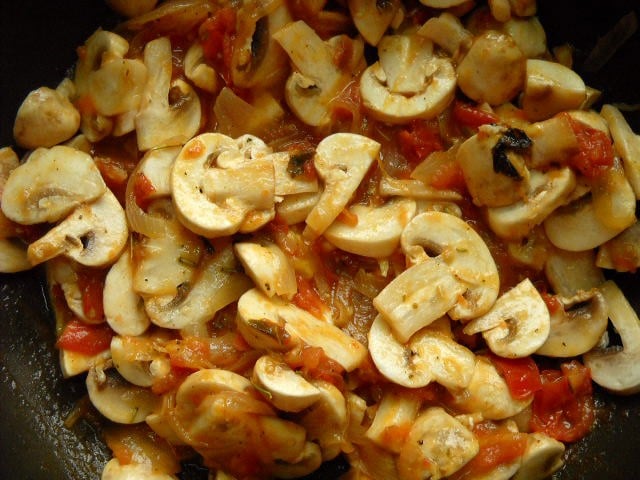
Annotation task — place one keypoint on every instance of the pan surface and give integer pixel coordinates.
(37, 46)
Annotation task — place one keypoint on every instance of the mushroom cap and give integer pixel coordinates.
(269, 268)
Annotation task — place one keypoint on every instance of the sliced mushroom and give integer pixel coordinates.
(613, 198)
(268, 267)
(517, 325)
(550, 88)
(377, 232)
(408, 82)
(116, 87)
(395, 410)
(114, 470)
(577, 326)
(553, 141)
(237, 116)
(299, 324)
(464, 253)
(418, 296)
(427, 356)
(626, 143)
(296, 208)
(529, 35)
(75, 363)
(93, 235)
(616, 368)
(488, 394)
(221, 185)
(415, 188)
(138, 361)
(64, 273)
(621, 253)
(493, 70)
(282, 386)
(123, 307)
(309, 461)
(289, 172)
(50, 184)
(491, 181)
(44, 119)
(542, 457)
(196, 69)
(341, 160)
(372, 18)
(118, 400)
(570, 272)
(217, 284)
(156, 166)
(316, 78)
(447, 32)
(547, 191)
(437, 446)
(169, 113)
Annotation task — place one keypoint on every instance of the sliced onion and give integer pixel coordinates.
(152, 226)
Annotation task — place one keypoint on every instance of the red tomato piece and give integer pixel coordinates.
(419, 140)
(471, 116)
(521, 374)
(307, 297)
(88, 339)
(217, 36)
(142, 190)
(91, 284)
(595, 151)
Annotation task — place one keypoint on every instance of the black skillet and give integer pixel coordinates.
(37, 46)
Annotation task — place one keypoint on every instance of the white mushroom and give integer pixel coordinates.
(289, 172)
(418, 296)
(427, 356)
(550, 88)
(116, 87)
(269, 268)
(156, 166)
(236, 116)
(542, 457)
(50, 184)
(296, 208)
(217, 284)
(114, 470)
(137, 360)
(169, 112)
(45, 118)
(626, 143)
(74, 363)
(377, 232)
(408, 82)
(198, 71)
(437, 446)
(256, 306)
(529, 35)
(547, 191)
(342, 160)
(65, 273)
(308, 462)
(372, 18)
(118, 400)
(94, 234)
(488, 394)
(621, 253)
(447, 32)
(577, 326)
(517, 325)
(615, 368)
(123, 307)
(221, 185)
(455, 243)
(415, 188)
(553, 141)
(493, 70)
(570, 272)
(394, 410)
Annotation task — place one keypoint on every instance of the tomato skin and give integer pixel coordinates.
(307, 297)
(419, 140)
(217, 36)
(521, 374)
(595, 153)
(468, 115)
(564, 408)
(142, 190)
(84, 338)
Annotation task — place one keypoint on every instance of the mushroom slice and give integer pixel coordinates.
(216, 284)
(156, 167)
(296, 208)
(316, 79)
(487, 394)
(342, 160)
(437, 446)
(75, 363)
(542, 457)
(621, 253)
(459, 247)
(517, 325)
(300, 325)
(268, 267)
(13, 256)
(221, 185)
(114, 470)
(493, 70)
(550, 88)
(283, 387)
(50, 184)
(377, 232)
(209, 381)
(616, 368)
(447, 32)
(570, 272)
(236, 116)
(289, 172)
(427, 356)
(553, 141)
(169, 113)
(309, 461)
(528, 34)
(198, 71)
(372, 18)
(123, 307)
(118, 400)
(626, 143)
(547, 191)
(395, 410)
(578, 326)
(116, 87)
(414, 188)
(44, 119)
(408, 82)
(93, 235)
(137, 361)
(418, 296)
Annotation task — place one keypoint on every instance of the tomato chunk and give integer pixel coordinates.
(88, 339)
(468, 115)
(521, 374)
(595, 151)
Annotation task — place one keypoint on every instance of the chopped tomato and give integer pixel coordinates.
(307, 297)
(471, 116)
(394, 436)
(84, 338)
(91, 284)
(521, 374)
(564, 408)
(595, 151)
(449, 177)
(419, 140)
(142, 190)
(217, 36)
(171, 381)
(553, 304)
(313, 363)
